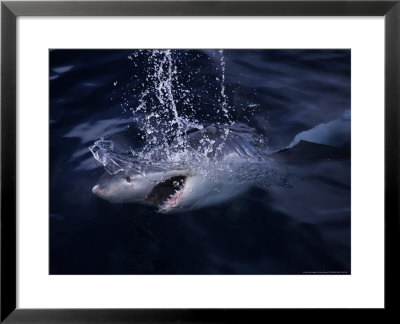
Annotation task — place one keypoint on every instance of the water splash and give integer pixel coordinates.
(174, 139)
(157, 114)
(224, 105)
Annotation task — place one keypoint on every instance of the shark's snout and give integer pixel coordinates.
(96, 189)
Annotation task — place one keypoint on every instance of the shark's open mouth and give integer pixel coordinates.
(166, 194)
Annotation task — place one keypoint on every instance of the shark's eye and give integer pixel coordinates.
(129, 179)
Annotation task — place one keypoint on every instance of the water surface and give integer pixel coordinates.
(299, 224)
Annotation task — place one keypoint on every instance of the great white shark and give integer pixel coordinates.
(182, 188)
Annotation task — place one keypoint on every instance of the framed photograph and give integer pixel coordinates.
(195, 161)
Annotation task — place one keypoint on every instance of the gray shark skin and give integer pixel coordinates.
(180, 187)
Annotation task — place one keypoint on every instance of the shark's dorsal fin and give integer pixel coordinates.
(183, 134)
(309, 151)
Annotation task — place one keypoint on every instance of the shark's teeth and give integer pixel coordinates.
(169, 198)
(172, 201)
(165, 191)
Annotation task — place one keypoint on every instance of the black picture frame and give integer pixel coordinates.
(10, 10)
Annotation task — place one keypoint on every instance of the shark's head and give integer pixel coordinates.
(202, 184)
(121, 188)
(162, 190)
(169, 192)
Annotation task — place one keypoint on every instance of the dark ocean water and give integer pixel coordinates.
(300, 227)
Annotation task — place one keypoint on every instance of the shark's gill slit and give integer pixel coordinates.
(165, 190)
